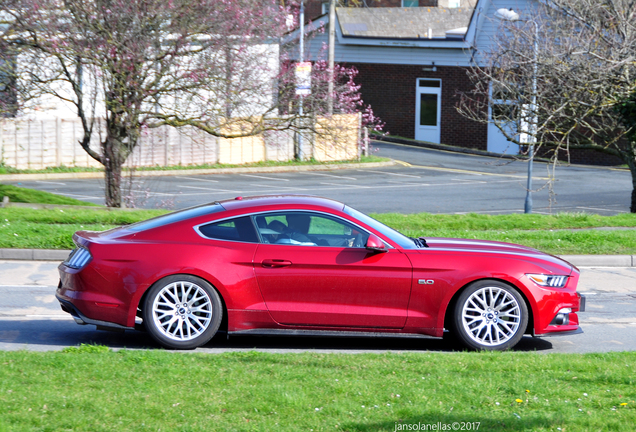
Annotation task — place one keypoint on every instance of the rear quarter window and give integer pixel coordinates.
(238, 229)
(177, 216)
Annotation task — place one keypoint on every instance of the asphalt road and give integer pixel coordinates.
(31, 319)
(429, 181)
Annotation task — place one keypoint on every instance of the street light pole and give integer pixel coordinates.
(301, 151)
(510, 15)
(533, 130)
(332, 42)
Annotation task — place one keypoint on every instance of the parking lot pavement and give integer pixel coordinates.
(390, 189)
(428, 181)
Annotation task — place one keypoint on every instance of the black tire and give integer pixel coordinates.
(182, 312)
(490, 315)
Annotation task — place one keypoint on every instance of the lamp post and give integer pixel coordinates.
(510, 15)
(332, 42)
(301, 151)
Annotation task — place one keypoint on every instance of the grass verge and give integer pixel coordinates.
(559, 234)
(25, 195)
(90, 388)
(64, 169)
(26, 228)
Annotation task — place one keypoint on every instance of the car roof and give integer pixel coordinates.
(239, 203)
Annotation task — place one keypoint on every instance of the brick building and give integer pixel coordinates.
(413, 58)
(411, 63)
(315, 8)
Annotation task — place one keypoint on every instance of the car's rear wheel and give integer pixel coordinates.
(182, 312)
(490, 315)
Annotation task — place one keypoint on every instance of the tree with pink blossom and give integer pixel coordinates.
(147, 63)
(125, 66)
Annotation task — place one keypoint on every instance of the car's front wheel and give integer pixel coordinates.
(182, 312)
(490, 315)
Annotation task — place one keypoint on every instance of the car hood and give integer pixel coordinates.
(493, 247)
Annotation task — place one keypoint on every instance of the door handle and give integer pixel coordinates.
(275, 263)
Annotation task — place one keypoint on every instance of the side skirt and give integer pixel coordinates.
(327, 333)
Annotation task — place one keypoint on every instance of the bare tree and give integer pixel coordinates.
(143, 64)
(582, 56)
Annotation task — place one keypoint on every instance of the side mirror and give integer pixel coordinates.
(374, 244)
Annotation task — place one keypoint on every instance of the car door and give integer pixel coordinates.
(323, 275)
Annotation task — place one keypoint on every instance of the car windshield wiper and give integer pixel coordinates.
(420, 242)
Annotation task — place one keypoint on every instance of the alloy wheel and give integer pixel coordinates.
(182, 310)
(491, 316)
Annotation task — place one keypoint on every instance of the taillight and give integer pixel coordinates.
(78, 258)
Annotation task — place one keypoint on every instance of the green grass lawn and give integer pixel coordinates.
(559, 234)
(25, 195)
(91, 389)
(64, 169)
(53, 228)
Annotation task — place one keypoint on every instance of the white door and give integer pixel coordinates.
(428, 109)
(497, 141)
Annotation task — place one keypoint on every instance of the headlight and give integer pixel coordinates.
(553, 281)
(78, 258)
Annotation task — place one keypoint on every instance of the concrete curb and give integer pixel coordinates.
(577, 260)
(34, 254)
(601, 260)
(238, 170)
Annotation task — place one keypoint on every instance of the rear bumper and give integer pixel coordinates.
(82, 319)
(97, 297)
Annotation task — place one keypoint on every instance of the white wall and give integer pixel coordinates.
(261, 76)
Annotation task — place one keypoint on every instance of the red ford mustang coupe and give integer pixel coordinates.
(307, 265)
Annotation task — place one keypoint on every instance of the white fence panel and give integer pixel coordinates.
(38, 144)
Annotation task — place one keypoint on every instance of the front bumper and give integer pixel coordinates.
(579, 330)
(581, 302)
(565, 320)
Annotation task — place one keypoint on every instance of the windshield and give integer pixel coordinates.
(397, 237)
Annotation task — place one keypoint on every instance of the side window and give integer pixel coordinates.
(322, 225)
(239, 229)
(308, 229)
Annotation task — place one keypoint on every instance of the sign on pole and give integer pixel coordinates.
(303, 78)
